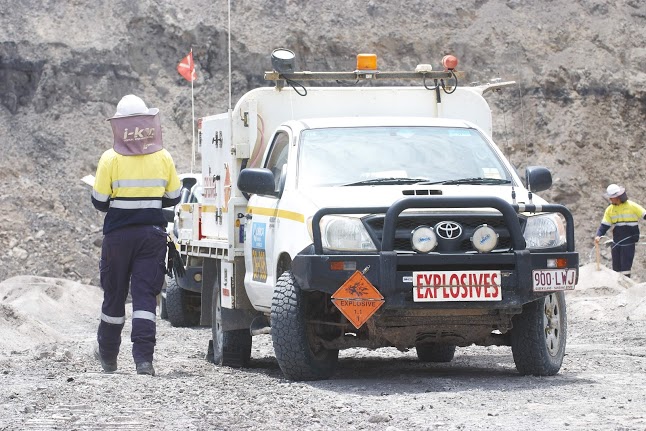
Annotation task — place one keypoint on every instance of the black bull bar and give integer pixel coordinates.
(509, 213)
(385, 268)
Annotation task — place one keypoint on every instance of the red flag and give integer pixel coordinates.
(186, 67)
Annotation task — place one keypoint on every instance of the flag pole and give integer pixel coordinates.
(193, 116)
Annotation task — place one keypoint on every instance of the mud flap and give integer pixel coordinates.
(209, 353)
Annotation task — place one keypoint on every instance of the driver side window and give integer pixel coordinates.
(277, 161)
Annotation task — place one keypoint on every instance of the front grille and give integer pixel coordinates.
(469, 222)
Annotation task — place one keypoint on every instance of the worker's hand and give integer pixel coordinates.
(596, 239)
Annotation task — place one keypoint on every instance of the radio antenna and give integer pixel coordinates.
(229, 48)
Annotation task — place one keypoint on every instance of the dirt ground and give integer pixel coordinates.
(49, 379)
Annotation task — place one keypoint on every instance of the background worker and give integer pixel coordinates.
(134, 180)
(623, 216)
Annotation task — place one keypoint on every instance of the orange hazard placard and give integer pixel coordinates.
(357, 299)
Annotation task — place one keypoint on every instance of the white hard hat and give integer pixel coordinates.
(133, 105)
(614, 191)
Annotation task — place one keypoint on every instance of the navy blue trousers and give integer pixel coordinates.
(132, 259)
(622, 258)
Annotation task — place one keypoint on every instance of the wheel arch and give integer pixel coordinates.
(284, 263)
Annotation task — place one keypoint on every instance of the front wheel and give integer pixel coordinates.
(230, 348)
(538, 336)
(299, 355)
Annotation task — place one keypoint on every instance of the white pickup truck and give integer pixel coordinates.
(374, 216)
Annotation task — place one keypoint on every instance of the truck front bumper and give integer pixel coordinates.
(392, 274)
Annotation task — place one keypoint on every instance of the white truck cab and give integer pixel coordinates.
(337, 217)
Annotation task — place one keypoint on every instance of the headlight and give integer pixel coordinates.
(345, 234)
(545, 231)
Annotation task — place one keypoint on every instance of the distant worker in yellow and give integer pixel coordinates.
(622, 215)
(134, 180)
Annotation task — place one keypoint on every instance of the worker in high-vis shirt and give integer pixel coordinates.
(623, 216)
(134, 180)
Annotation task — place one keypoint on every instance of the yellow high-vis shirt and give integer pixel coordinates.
(134, 189)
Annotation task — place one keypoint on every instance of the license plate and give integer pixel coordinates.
(446, 286)
(553, 279)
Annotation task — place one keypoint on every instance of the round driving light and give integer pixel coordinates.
(484, 238)
(423, 239)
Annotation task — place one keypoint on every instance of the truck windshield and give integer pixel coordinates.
(397, 155)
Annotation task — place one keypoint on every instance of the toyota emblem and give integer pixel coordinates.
(448, 230)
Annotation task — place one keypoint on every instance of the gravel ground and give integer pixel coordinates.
(599, 387)
(50, 380)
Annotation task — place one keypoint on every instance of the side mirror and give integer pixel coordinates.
(169, 214)
(258, 181)
(538, 178)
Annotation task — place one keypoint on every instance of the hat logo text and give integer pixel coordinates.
(138, 134)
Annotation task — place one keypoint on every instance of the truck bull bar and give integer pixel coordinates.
(509, 213)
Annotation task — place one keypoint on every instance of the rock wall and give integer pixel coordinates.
(578, 107)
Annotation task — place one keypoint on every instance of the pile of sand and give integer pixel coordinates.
(606, 295)
(38, 310)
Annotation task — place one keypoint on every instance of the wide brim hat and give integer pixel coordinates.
(131, 105)
(135, 128)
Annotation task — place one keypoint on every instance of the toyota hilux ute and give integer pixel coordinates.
(370, 216)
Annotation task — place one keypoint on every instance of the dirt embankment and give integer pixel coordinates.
(578, 106)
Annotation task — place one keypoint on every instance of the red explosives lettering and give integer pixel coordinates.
(431, 286)
(424, 292)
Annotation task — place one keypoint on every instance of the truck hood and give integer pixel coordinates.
(383, 195)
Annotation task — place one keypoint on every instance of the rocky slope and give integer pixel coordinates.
(578, 107)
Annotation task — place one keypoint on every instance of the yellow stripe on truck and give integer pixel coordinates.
(272, 212)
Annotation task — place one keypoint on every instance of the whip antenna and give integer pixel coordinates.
(229, 48)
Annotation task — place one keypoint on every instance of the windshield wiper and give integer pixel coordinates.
(474, 181)
(386, 181)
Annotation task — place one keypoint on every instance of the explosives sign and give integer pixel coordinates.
(439, 286)
(357, 299)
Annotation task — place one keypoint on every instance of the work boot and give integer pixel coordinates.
(108, 366)
(146, 368)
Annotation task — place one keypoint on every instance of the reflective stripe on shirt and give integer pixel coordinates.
(135, 204)
(625, 217)
(99, 196)
(139, 183)
(173, 194)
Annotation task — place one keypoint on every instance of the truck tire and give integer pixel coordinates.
(297, 354)
(538, 336)
(433, 352)
(181, 312)
(163, 308)
(230, 348)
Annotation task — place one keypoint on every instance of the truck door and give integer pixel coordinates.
(260, 230)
